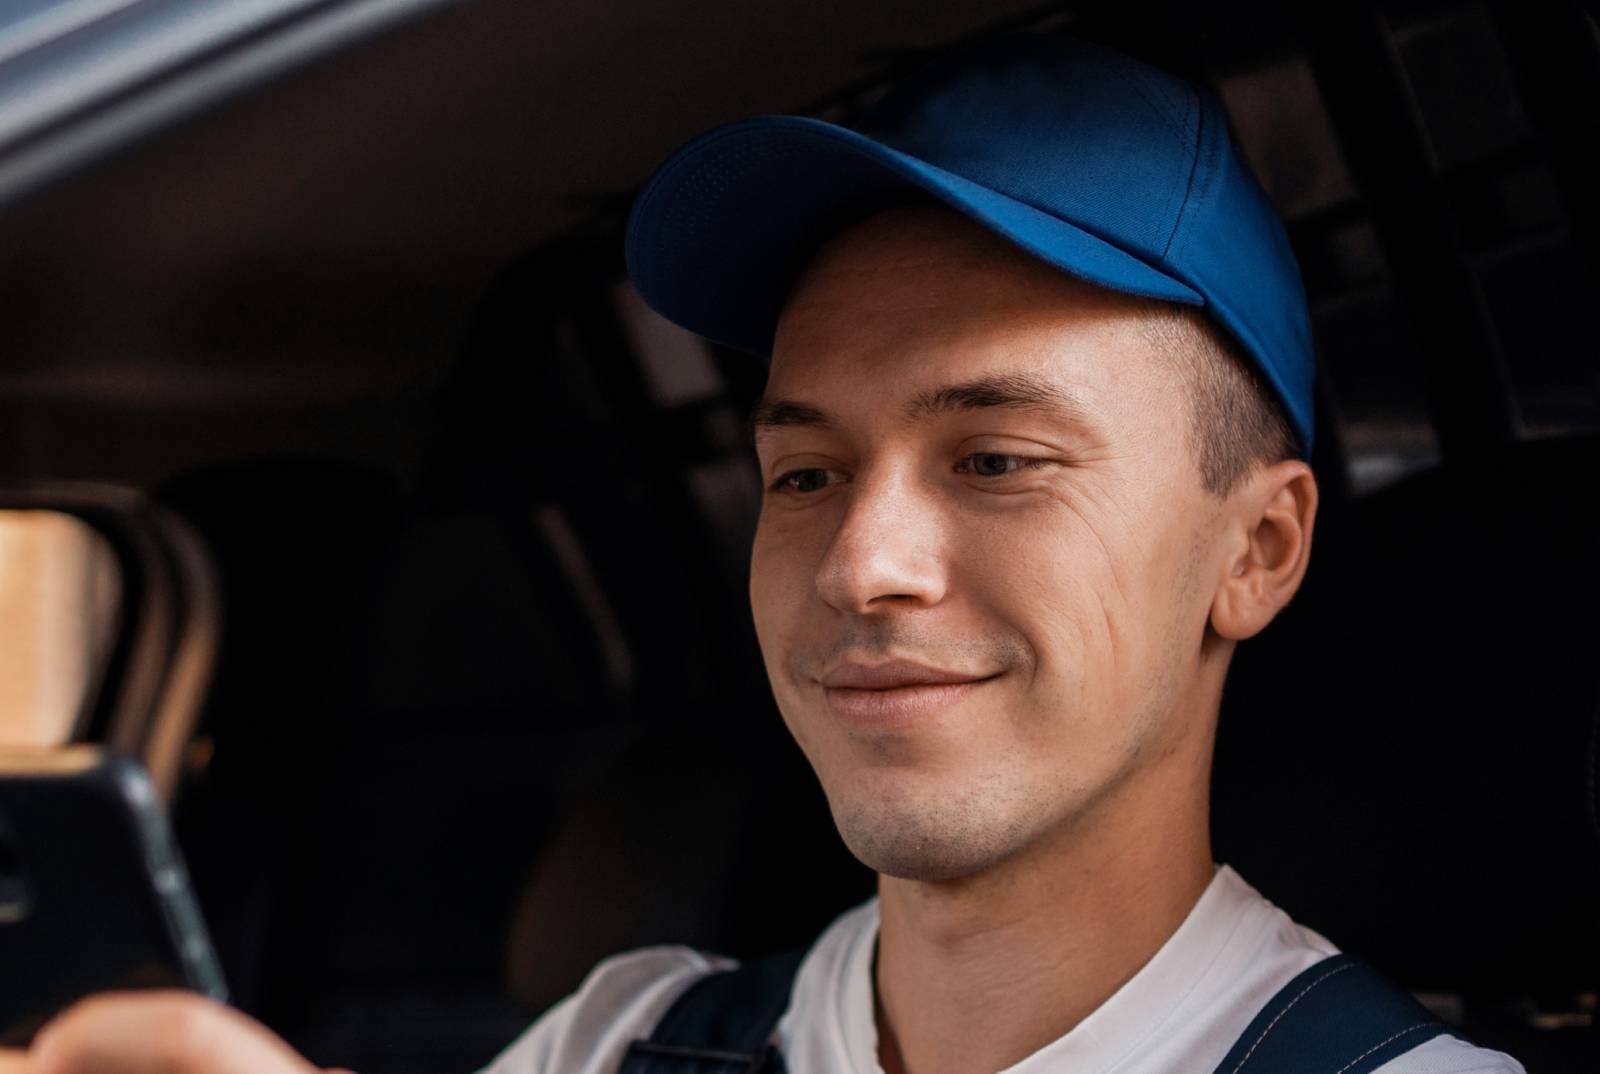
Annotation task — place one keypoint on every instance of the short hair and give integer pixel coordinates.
(1236, 422)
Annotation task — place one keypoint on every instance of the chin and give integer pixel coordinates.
(943, 837)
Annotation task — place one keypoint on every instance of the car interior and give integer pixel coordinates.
(411, 546)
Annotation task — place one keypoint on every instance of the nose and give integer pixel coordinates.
(885, 552)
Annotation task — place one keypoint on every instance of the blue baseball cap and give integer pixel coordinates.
(1103, 166)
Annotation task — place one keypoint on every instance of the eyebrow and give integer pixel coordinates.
(1010, 391)
(783, 413)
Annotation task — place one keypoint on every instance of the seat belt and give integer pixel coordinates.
(1340, 1016)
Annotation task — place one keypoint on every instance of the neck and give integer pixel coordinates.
(976, 974)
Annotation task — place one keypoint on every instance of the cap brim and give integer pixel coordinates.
(719, 234)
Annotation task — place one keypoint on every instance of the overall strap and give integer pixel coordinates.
(722, 1025)
(1338, 1017)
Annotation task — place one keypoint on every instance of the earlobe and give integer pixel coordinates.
(1270, 524)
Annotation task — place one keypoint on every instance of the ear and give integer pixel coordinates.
(1269, 520)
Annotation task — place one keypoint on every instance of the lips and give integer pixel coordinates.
(891, 675)
(896, 693)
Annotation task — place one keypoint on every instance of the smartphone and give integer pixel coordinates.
(93, 893)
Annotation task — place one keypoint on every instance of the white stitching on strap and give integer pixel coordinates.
(1272, 1024)
(1375, 1047)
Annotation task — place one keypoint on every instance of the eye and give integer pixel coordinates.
(810, 479)
(996, 464)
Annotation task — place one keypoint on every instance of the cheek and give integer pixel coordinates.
(782, 600)
(766, 585)
(782, 576)
(1081, 609)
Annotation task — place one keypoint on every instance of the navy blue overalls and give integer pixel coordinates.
(1338, 1017)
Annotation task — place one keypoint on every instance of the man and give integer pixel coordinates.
(1033, 443)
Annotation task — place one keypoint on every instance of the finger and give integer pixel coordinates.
(159, 1033)
(13, 1062)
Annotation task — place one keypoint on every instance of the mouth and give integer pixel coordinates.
(897, 704)
(901, 701)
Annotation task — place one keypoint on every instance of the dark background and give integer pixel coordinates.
(489, 705)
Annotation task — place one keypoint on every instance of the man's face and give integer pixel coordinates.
(978, 471)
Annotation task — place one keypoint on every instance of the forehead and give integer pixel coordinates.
(913, 298)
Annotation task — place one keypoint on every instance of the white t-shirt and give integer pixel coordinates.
(1178, 1015)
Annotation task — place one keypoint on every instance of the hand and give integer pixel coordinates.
(154, 1033)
